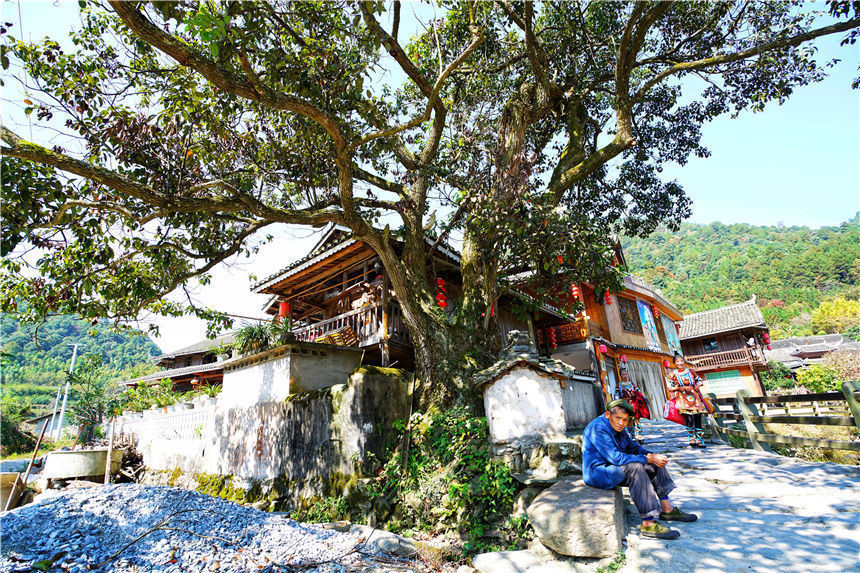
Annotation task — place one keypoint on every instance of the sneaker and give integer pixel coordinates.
(659, 531)
(677, 515)
(700, 445)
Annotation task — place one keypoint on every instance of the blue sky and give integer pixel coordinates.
(796, 163)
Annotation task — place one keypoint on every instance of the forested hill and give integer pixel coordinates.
(33, 367)
(791, 270)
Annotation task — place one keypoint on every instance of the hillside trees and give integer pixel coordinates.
(797, 273)
(538, 130)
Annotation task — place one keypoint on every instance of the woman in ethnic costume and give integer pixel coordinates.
(684, 389)
(631, 393)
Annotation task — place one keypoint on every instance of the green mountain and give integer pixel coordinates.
(791, 270)
(36, 360)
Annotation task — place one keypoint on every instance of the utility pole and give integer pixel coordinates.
(66, 396)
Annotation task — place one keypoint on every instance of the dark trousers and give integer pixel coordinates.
(648, 484)
(693, 421)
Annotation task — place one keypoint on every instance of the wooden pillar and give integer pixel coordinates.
(383, 342)
(748, 411)
(532, 331)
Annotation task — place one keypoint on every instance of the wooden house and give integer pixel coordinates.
(189, 366)
(340, 294)
(726, 347)
(633, 330)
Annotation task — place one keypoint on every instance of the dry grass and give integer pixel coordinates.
(815, 454)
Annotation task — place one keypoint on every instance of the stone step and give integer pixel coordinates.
(574, 519)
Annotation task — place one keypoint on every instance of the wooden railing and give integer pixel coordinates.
(827, 409)
(728, 358)
(364, 323)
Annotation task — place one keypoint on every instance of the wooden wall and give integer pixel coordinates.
(726, 341)
(583, 402)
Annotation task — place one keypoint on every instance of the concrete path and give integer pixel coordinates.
(757, 512)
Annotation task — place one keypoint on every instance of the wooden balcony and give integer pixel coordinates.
(360, 327)
(728, 359)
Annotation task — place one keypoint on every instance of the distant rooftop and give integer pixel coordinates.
(733, 317)
(805, 350)
(201, 347)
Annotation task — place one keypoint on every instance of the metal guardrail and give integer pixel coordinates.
(744, 409)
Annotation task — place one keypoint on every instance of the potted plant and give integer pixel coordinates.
(223, 351)
(281, 332)
(252, 338)
(209, 393)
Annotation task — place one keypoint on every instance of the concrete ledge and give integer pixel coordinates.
(575, 519)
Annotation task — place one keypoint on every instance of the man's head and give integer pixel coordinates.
(618, 412)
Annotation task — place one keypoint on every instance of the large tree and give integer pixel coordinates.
(538, 130)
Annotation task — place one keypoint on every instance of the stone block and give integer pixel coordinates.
(575, 519)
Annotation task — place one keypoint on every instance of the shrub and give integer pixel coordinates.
(819, 378)
(450, 479)
(777, 377)
(12, 439)
(845, 362)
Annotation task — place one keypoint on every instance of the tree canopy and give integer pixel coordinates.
(538, 130)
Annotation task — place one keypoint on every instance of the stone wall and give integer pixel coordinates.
(306, 440)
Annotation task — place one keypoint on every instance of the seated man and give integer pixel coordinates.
(611, 458)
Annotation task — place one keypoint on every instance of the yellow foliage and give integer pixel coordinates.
(838, 315)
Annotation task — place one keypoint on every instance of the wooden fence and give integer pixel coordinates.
(824, 409)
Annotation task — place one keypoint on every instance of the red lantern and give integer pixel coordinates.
(655, 310)
(766, 337)
(553, 341)
(623, 359)
(607, 298)
(768, 347)
(441, 297)
(665, 364)
(560, 259)
(602, 348)
(283, 309)
(574, 290)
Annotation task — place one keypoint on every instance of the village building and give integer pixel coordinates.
(339, 295)
(726, 346)
(798, 353)
(633, 330)
(190, 366)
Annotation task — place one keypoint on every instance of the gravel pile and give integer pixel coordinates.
(197, 533)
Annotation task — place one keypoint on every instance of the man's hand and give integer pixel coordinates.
(658, 460)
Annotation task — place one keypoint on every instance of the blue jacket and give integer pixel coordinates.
(603, 452)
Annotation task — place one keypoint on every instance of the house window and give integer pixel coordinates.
(629, 315)
(658, 322)
(710, 344)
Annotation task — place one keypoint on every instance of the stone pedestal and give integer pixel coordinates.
(575, 519)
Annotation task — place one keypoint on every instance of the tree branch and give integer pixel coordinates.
(378, 181)
(22, 149)
(221, 78)
(743, 54)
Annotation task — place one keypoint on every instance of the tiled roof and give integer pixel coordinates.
(175, 372)
(794, 352)
(519, 351)
(306, 261)
(323, 249)
(743, 315)
(202, 346)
